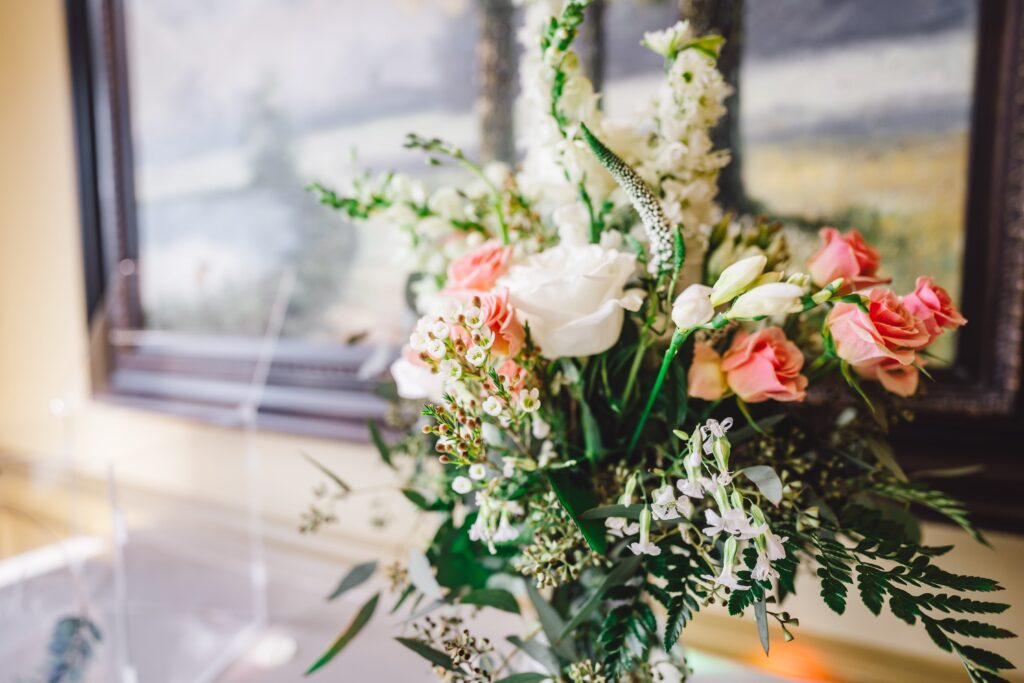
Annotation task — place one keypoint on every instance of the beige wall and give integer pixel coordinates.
(43, 352)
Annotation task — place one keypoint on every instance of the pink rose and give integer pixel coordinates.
(498, 315)
(894, 376)
(933, 307)
(847, 256)
(705, 379)
(765, 365)
(480, 269)
(887, 331)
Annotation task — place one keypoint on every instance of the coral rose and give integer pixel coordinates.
(847, 256)
(498, 315)
(480, 269)
(705, 379)
(886, 331)
(894, 376)
(932, 305)
(765, 365)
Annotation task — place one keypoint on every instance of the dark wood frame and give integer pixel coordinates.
(314, 389)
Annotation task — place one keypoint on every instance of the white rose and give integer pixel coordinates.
(693, 307)
(414, 381)
(737, 278)
(774, 298)
(573, 298)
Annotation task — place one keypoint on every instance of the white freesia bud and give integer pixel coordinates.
(737, 278)
(801, 279)
(775, 298)
(693, 307)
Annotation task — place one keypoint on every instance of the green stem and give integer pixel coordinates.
(678, 337)
(641, 348)
(495, 194)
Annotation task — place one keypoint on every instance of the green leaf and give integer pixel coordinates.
(761, 615)
(382, 447)
(525, 677)
(576, 494)
(854, 383)
(886, 458)
(551, 623)
(538, 652)
(492, 597)
(767, 482)
(356, 576)
(420, 501)
(430, 654)
(974, 629)
(619, 574)
(328, 473)
(605, 511)
(422, 575)
(984, 658)
(591, 431)
(346, 636)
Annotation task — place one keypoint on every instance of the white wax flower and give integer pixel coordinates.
(462, 485)
(693, 307)
(775, 298)
(477, 471)
(737, 278)
(573, 298)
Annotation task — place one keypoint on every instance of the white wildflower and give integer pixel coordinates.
(462, 485)
(493, 406)
(477, 471)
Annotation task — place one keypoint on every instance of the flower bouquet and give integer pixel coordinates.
(635, 406)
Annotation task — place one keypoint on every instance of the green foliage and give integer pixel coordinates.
(492, 597)
(382, 447)
(756, 592)
(355, 577)
(683, 593)
(433, 656)
(346, 636)
(890, 568)
(576, 494)
(628, 630)
(71, 648)
(937, 501)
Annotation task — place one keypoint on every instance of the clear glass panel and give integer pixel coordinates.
(857, 113)
(236, 107)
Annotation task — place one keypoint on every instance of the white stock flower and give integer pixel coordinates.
(477, 471)
(763, 570)
(693, 307)
(573, 298)
(493, 406)
(415, 381)
(447, 202)
(775, 298)
(737, 278)
(573, 224)
(462, 485)
(620, 527)
(668, 41)
(774, 544)
(476, 355)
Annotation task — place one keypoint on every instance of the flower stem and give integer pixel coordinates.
(678, 337)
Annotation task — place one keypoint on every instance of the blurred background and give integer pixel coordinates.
(183, 326)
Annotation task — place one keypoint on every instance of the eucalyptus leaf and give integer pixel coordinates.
(538, 653)
(382, 446)
(761, 614)
(605, 511)
(767, 482)
(619, 574)
(356, 576)
(551, 623)
(422, 575)
(492, 597)
(346, 636)
(886, 458)
(430, 654)
(525, 677)
(345, 488)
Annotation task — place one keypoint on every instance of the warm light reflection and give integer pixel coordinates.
(793, 660)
